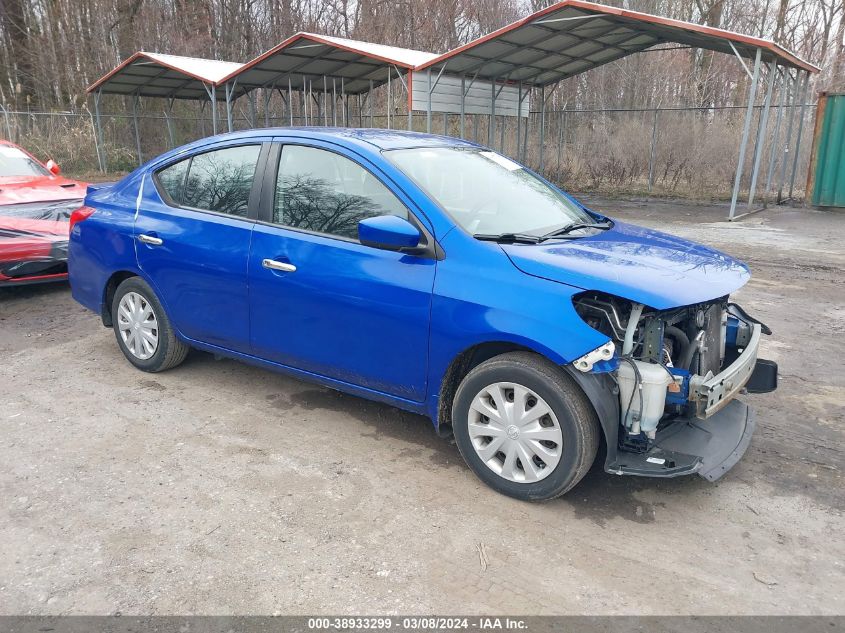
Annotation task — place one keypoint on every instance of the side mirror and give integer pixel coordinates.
(53, 167)
(389, 232)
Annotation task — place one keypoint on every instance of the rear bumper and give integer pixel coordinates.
(690, 446)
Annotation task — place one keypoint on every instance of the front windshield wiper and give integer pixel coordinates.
(508, 238)
(574, 226)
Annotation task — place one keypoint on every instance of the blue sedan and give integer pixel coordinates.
(439, 277)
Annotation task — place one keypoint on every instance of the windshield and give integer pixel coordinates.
(487, 193)
(15, 162)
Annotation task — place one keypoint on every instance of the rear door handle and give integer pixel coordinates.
(149, 239)
(273, 264)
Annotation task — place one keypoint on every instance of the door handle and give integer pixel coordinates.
(272, 264)
(149, 239)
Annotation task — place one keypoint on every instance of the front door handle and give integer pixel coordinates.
(272, 264)
(149, 239)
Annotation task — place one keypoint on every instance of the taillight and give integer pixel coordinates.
(82, 213)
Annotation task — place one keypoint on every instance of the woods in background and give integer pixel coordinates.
(51, 50)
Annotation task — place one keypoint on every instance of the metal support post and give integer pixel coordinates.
(290, 102)
(761, 133)
(801, 118)
(746, 131)
(518, 117)
(491, 127)
(773, 151)
(98, 138)
(388, 97)
(559, 143)
(409, 89)
(135, 102)
(325, 102)
(268, 92)
(428, 108)
(787, 149)
(542, 147)
(228, 93)
(334, 102)
(344, 100)
(167, 112)
(370, 102)
(253, 109)
(214, 110)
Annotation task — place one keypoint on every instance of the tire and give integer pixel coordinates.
(168, 351)
(569, 431)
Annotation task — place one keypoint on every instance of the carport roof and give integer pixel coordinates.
(574, 36)
(170, 76)
(308, 55)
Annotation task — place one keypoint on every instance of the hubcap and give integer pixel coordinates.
(137, 325)
(515, 432)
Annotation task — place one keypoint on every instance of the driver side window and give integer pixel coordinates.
(318, 190)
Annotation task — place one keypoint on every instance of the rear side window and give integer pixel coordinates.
(172, 180)
(218, 181)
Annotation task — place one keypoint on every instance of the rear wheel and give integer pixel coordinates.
(524, 427)
(142, 329)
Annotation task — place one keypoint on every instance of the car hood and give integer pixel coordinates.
(17, 190)
(639, 264)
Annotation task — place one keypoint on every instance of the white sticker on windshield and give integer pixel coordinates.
(500, 160)
(11, 152)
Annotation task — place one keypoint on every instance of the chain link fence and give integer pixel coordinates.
(679, 152)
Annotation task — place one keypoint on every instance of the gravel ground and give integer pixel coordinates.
(219, 488)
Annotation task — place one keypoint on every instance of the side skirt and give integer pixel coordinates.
(339, 385)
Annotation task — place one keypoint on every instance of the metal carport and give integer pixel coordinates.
(321, 64)
(572, 37)
(167, 77)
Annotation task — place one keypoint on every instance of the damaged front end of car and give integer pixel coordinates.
(676, 373)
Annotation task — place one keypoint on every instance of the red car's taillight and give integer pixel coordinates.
(82, 213)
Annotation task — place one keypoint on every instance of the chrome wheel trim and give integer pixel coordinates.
(514, 432)
(137, 325)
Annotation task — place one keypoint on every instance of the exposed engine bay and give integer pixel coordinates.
(681, 363)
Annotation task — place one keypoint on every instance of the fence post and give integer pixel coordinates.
(653, 153)
(8, 127)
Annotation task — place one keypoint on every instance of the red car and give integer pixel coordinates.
(35, 206)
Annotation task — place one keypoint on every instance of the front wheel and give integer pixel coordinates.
(142, 329)
(524, 427)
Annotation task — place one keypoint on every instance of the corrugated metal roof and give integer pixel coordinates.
(404, 56)
(159, 75)
(574, 36)
(305, 58)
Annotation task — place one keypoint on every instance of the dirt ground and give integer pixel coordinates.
(218, 488)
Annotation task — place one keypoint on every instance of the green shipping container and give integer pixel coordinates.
(828, 169)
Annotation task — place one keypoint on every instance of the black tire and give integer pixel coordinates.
(577, 419)
(170, 350)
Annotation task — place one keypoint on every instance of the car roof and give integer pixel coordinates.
(378, 138)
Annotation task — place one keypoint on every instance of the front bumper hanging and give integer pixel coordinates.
(686, 446)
